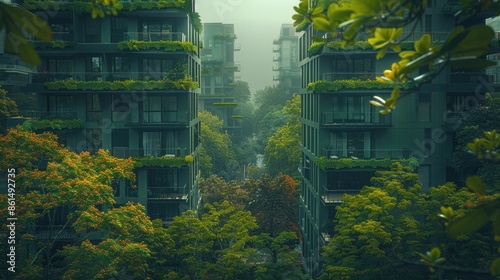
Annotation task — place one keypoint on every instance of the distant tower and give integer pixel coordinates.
(218, 75)
(286, 53)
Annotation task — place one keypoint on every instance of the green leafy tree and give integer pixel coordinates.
(242, 92)
(369, 225)
(268, 125)
(284, 257)
(270, 97)
(216, 246)
(483, 118)
(282, 153)
(218, 156)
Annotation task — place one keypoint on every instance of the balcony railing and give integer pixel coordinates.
(42, 77)
(415, 36)
(354, 118)
(349, 76)
(64, 115)
(368, 153)
(150, 36)
(472, 78)
(153, 152)
(58, 36)
(335, 195)
(168, 193)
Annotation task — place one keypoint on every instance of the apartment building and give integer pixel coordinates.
(128, 84)
(286, 69)
(345, 139)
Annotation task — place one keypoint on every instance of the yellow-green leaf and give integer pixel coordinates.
(495, 267)
(475, 183)
(470, 222)
(423, 44)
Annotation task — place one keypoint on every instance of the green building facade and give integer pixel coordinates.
(345, 139)
(128, 84)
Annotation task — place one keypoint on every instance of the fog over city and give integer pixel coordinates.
(256, 23)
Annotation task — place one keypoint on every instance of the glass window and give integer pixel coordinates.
(61, 104)
(120, 109)
(92, 30)
(119, 28)
(424, 107)
(94, 139)
(94, 111)
(152, 109)
(60, 65)
(151, 143)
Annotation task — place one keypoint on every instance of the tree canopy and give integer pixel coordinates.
(217, 155)
(282, 152)
(59, 194)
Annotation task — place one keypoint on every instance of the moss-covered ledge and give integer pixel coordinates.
(225, 104)
(166, 45)
(55, 124)
(325, 86)
(182, 84)
(325, 163)
(163, 161)
(56, 44)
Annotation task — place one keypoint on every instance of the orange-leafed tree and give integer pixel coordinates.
(274, 202)
(67, 223)
(215, 189)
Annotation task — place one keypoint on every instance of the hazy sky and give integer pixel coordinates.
(256, 24)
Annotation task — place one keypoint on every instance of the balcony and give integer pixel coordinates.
(65, 115)
(149, 36)
(168, 193)
(354, 119)
(334, 196)
(451, 7)
(472, 78)
(42, 77)
(415, 36)
(153, 152)
(237, 47)
(356, 154)
(363, 76)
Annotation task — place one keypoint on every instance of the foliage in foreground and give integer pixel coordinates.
(383, 229)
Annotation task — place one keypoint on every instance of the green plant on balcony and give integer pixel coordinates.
(325, 86)
(166, 45)
(165, 84)
(225, 104)
(57, 44)
(163, 161)
(315, 48)
(55, 124)
(365, 45)
(325, 163)
(100, 9)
